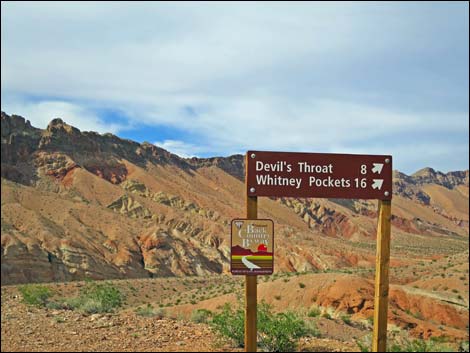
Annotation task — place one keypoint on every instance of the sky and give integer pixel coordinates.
(215, 79)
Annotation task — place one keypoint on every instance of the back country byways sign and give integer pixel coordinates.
(320, 175)
(252, 247)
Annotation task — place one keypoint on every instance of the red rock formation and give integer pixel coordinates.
(115, 174)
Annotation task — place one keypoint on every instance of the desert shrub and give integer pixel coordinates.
(146, 311)
(463, 347)
(230, 323)
(97, 305)
(96, 298)
(365, 343)
(59, 319)
(417, 345)
(201, 316)
(312, 329)
(277, 332)
(326, 315)
(314, 312)
(302, 285)
(54, 305)
(35, 294)
(346, 319)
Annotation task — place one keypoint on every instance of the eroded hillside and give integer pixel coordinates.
(80, 204)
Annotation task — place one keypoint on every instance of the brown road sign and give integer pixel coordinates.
(320, 175)
(252, 247)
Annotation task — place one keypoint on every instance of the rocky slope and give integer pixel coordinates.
(27, 328)
(80, 204)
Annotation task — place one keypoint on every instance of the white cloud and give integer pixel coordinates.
(411, 157)
(132, 53)
(308, 76)
(41, 113)
(180, 148)
(274, 122)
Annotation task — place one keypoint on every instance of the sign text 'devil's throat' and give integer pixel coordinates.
(319, 175)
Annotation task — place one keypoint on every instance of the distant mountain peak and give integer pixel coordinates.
(16, 124)
(57, 125)
(425, 172)
(56, 121)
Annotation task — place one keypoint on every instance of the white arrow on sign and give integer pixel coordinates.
(377, 184)
(377, 168)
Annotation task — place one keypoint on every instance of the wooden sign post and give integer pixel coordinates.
(382, 262)
(251, 287)
(323, 175)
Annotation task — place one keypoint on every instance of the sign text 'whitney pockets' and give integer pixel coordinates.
(302, 167)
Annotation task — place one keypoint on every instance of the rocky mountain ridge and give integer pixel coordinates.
(80, 204)
(20, 138)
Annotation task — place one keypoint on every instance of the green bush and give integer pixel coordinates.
(326, 315)
(34, 294)
(463, 347)
(93, 306)
(230, 323)
(279, 332)
(417, 345)
(59, 319)
(54, 305)
(149, 311)
(312, 329)
(96, 298)
(365, 343)
(276, 332)
(146, 311)
(346, 319)
(314, 312)
(201, 316)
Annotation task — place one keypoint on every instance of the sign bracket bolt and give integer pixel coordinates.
(386, 193)
(252, 189)
(387, 160)
(253, 155)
